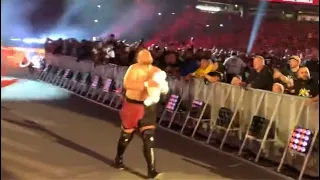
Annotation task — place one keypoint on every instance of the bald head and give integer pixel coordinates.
(144, 57)
(303, 73)
(258, 63)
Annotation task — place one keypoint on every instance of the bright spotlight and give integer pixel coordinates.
(173, 13)
(33, 40)
(159, 14)
(207, 25)
(15, 39)
(99, 6)
(236, 5)
(221, 25)
(96, 21)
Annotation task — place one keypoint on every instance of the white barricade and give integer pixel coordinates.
(226, 95)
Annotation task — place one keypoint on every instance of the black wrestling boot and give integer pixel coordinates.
(154, 175)
(148, 152)
(118, 163)
(149, 156)
(123, 143)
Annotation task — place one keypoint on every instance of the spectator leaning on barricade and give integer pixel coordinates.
(206, 66)
(260, 78)
(208, 70)
(286, 76)
(234, 66)
(306, 86)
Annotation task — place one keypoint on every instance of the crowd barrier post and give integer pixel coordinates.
(248, 128)
(105, 89)
(188, 114)
(106, 97)
(93, 87)
(44, 73)
(201, 115)
(198, 119)
(215, 120)
(57, 76)
(235, 111)
(306, 158)
(65, 78)
(266, 133)
(118, 97)
(176, 111)
(173, 113)
(50, 74)
(289, 137)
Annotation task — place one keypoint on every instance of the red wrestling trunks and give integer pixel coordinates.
(134, 114)
(132, 111)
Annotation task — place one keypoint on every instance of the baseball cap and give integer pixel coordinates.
(297, 58)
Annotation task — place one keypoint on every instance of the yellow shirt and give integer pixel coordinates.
(201, 72)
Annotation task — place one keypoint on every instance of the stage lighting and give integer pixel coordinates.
(107, 85)
(173, 102)
(197, 104)
(301, 140)
(95, 82)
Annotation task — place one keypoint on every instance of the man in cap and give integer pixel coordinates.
(286, 76)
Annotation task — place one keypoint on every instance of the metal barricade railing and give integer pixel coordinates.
(279, 109)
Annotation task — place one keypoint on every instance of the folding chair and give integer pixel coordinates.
(51, 74)
(73, 82)
(196, 113)
(65, 78)
(172, 107)
(57, 76)
(265, 131)
(106, 90)
(300, 143)
(96, 82)
(83, 84)
(44, 73)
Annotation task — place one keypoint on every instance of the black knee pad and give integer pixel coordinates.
(148, 138)
(125, 138)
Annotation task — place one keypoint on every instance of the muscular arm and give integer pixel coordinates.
(130, 82)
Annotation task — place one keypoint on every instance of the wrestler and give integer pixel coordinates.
(135, 115)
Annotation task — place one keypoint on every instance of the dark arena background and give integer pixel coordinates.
(243, 77)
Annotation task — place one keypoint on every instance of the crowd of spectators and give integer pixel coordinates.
(294, 70)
